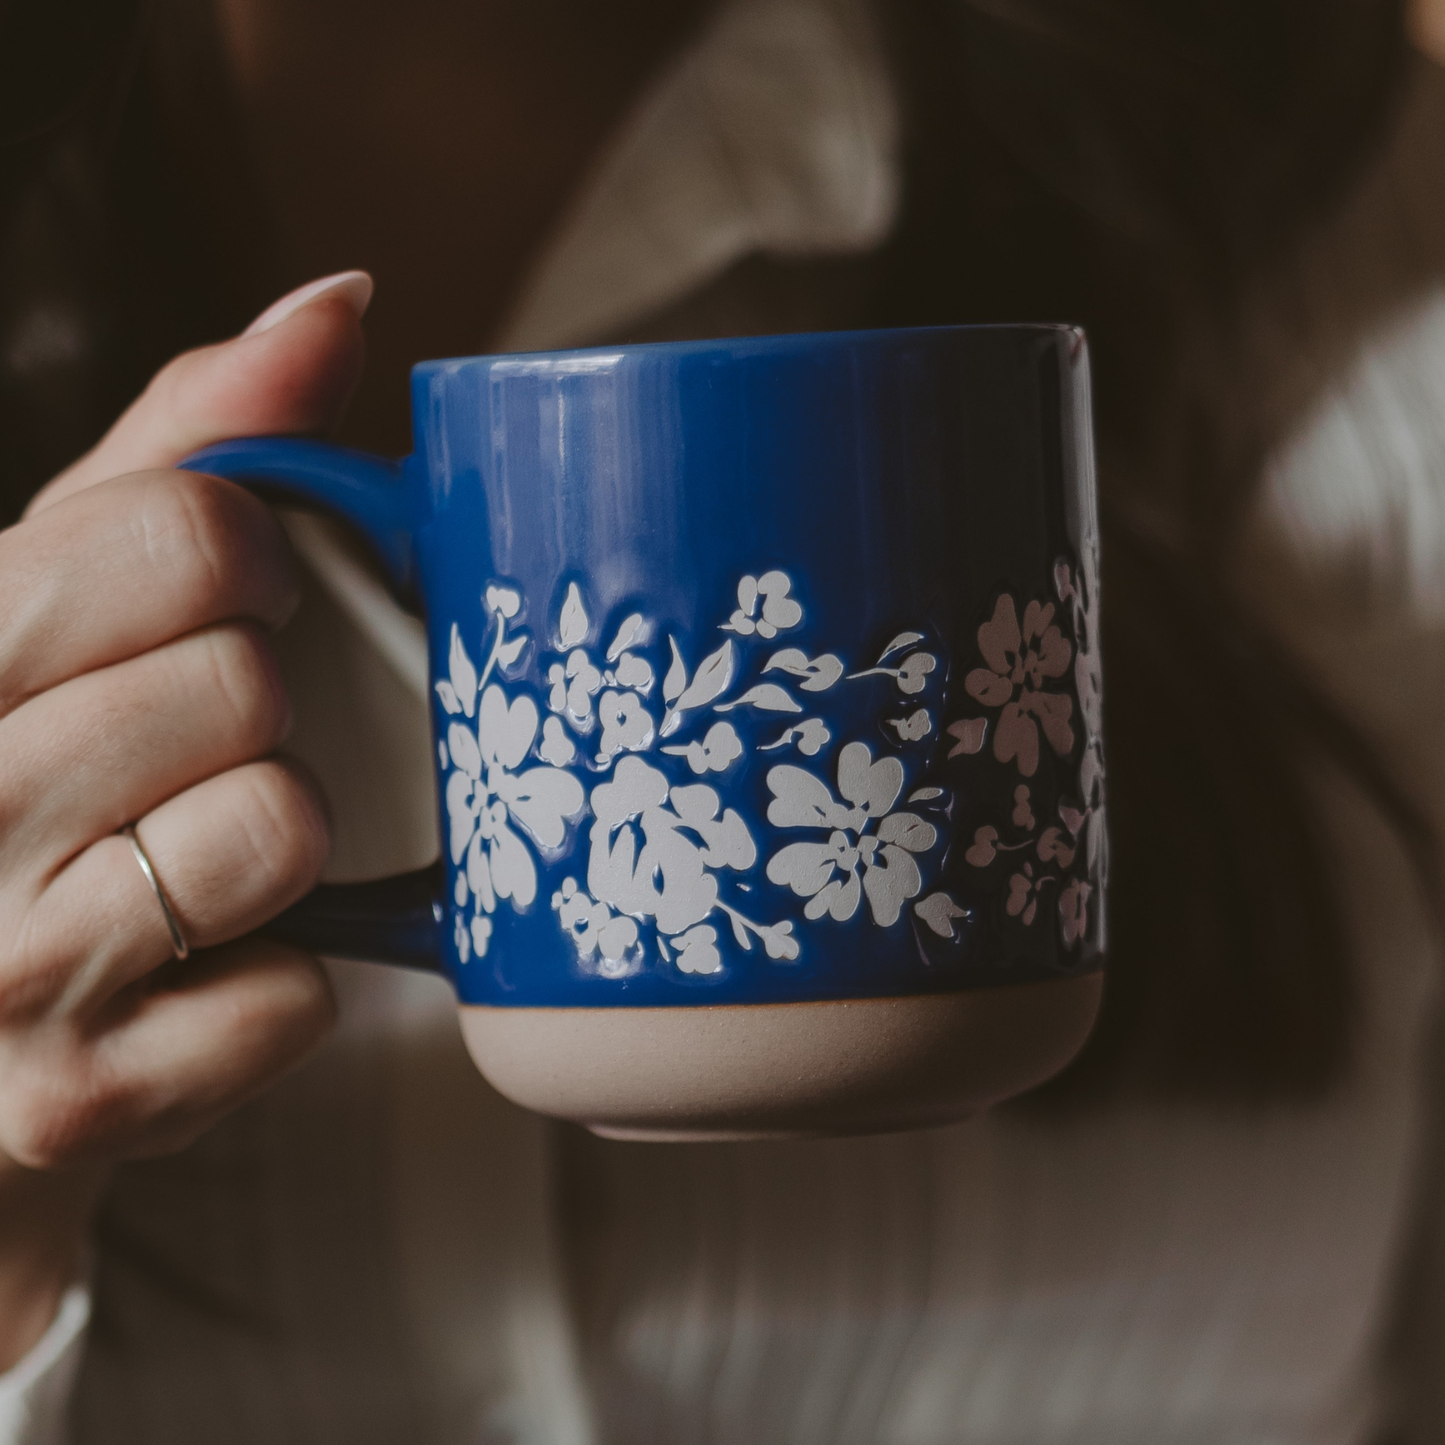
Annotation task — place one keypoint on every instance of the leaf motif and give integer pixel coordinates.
(626, 636)
(970, 734)
(904, 639)
(711, 680)
(767, 696)
(1073, 819)
(938, 911)
(463, 674)
(826, 670)
(572, 629)
(790, 659)
(448, 695)
(817, 674)
(466, 755)
(676, 680)
(509, 652)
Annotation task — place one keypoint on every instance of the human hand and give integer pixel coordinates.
(137, 685)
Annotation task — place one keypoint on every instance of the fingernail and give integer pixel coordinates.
(353, 287)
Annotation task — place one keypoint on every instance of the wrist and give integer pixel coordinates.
(44, 1220)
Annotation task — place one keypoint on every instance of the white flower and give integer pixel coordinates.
(486, 795)
(574, 686)
(633, 671)
(778, 612)
(828, 873)
(663, 874)
(720, 748)
(627, 725)
(816, 674)
(594, 928)
(811, 735)
(916, 725)
(913, 674)
(632, 630)
(481, 934)
(697, 950)
(504, 600)
(556, 747)
(938, 911)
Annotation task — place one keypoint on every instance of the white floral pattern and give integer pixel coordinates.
(595, 928)
(1020, 660)
(764, 606)
(853, 862)
(489, 791)
(621, 750)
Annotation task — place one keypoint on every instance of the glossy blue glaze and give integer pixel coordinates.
(765, 669)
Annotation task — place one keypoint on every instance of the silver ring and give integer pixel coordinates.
(178, 939)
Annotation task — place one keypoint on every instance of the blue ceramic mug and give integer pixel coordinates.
(766, 703)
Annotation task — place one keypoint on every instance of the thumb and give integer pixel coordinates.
(290, 371)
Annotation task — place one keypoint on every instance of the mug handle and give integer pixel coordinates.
(392, 920)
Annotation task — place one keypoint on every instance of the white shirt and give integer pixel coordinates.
(383, 1249)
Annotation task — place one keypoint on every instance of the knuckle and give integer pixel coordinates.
(299, 1007)
(60, 1117)
(188, 527)
(180, 392)
(313, 1009)
(166, 389)
(245, 681)
(284, 827)
(221, 548)
(30, 975)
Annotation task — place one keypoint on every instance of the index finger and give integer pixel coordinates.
(131, 564)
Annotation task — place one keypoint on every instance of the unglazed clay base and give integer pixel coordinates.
(778, 1071)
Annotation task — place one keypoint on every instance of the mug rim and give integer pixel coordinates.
(767, 342)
